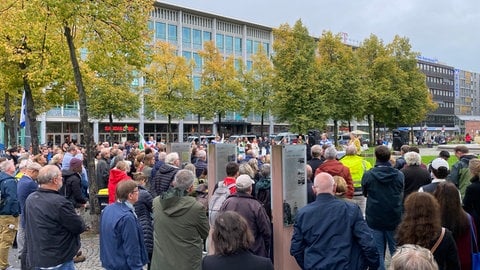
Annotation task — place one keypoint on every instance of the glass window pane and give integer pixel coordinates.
(186, 37)
(229, 44)
(220, 42)
(249, 46)
(172, 33)
(160, 31)
(207, 36)
(197, 39)
(238, 45)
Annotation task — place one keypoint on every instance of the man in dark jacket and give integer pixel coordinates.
(331, 233)
(72, 188)
(460, 174)
(103, 168)
(52, 228)
(415, 176)
(166, 173)
(9, 209)
(254, 213)
(383, 186)
(201, 162)
(317, 158)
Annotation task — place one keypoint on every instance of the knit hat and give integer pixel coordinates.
(75, 163)
(244, 181)
(439, 162)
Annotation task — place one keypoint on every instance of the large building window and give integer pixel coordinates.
(186, 37)
(238, 45)
(197, 82)
(249, 46)
(266, 48)
(187, 55)
(160, 31)
(229, 44)
(249, 65)
(197, 39)
(198, 62)
(207, 36)
(172, 33)
(256, 44)
(219, 42)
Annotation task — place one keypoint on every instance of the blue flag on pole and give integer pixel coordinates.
(23, 112)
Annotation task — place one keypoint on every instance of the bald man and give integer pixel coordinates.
(336, 228)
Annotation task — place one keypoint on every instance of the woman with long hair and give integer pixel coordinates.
(456, 220)
(421, 225)
(231, 240)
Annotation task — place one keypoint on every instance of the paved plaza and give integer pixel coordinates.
(90, 248)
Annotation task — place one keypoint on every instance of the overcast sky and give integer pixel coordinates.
(447, 30)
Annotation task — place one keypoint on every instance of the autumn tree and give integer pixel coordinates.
(169, 83)
(415, 98)
(111, 93)
(339, 77)
(33, 56)
(298, 98)
(55, 31)
(221, 89)
(258, 82)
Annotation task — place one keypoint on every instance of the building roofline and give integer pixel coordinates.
(211, 15)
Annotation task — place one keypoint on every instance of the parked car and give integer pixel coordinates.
(234, 138)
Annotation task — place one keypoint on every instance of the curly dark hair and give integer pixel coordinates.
(453, 216)
(231, 234)
(421, 224)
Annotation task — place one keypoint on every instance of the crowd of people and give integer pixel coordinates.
(159, 213)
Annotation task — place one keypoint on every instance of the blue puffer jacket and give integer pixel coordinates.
(162, 179)
(383, 186)
(9, 201)
(143, 209)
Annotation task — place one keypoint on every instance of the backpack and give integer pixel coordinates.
(216, 202)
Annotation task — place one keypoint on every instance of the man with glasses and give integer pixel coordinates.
(122, 244)
(52, 227)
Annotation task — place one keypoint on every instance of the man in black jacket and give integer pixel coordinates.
(52, 228)
(72, 186)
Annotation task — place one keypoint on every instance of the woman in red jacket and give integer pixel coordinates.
(117, 174)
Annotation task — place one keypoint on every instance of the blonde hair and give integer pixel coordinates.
(341, 185)
(474, 166)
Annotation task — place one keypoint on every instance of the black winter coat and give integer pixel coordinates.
(163, 179)
(72, 188)
(143, 209)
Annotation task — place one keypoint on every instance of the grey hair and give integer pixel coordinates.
(201, 154)
(245, 168)
(413, 158)
(162, 156)
(265, 170)
(351, 150)
(183, 179)
(413, 257)
(330, 153)
(47, 173)
(7, 164)
(170, 158)
(24, 163)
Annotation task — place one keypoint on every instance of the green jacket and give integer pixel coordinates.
(180, 223)
(357, 166)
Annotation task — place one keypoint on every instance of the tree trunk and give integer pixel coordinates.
(371, 129)
(110, 123)
(219, 128)
(169, 128)
(335, 132)
(32, 116)
(8, 123)
(261, 124)
(198, 126)
(88, 134)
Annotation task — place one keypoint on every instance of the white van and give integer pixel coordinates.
(291, 137)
